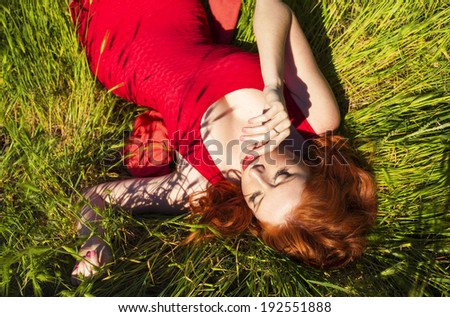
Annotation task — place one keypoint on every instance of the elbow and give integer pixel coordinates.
(95, 196)
(327, 123)
(334, 121)
(90, 192)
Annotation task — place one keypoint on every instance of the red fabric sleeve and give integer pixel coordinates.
(225, 14)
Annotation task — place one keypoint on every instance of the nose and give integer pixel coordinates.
(259, 173)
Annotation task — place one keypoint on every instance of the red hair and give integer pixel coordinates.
(326, 230)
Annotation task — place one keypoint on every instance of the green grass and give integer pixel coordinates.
(60, 131)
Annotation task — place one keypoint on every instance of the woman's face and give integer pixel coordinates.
(272, 185)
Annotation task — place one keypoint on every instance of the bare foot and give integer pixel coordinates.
(96, 253)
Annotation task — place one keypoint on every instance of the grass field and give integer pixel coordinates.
(388, 63)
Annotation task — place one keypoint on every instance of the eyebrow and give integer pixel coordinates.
(260, 201)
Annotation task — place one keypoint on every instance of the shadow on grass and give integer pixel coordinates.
(309, 15)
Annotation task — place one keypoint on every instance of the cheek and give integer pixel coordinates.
(246, 189)
(245, 184)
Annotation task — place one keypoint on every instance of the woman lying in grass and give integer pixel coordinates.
(248, 133)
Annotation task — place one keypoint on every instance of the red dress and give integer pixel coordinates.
(160, 54)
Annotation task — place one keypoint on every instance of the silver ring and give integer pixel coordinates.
(276, 131)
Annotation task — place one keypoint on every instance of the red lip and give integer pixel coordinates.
(247, 161)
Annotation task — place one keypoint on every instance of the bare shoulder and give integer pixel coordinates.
(174, 190)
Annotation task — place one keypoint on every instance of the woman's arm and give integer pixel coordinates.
(271, 24)
(163, 195)
(286, 58)
(306, 82)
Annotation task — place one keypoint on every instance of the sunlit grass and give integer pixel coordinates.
(388, 63)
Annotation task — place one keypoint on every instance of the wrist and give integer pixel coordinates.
(273, 88)
(274, 84)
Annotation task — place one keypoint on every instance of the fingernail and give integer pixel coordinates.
(247, 160)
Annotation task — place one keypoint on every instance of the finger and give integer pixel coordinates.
(247, 152)
(92, 258)
(254, 138)
(271, 145)
(270, 112)
(283, 126)
(280, 122)
(250, 141)
(86, 270)
(273, 109)
(75, 272)
(256, 145)
(79, 274)
(248, 155)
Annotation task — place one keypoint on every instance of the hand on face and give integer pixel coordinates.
(266, 131)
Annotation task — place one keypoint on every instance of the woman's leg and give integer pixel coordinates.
(308, 86)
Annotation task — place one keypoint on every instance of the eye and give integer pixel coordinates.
(282, 172)
(253, 197)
